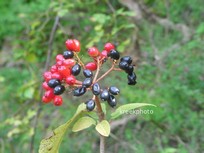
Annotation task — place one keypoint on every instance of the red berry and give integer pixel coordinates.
(59, 57)
(57, 76)
(64, 71)
(103, 54)
(47, 75)
(45, 86)
(49, 94)
(58, 101)
(109, 47)
(73, 45)
(46, 100)
(93, 52)
(53, 69)
(70, 80)
(59, 63)
(69, 63)
(91, 66)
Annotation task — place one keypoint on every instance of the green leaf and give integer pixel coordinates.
(52, 144)
(83, 123)
(103, 128)
(125, 108)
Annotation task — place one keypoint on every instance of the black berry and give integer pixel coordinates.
(76, 69)
(87, 82)
(90, 105)
(68, 54)
(114, 54)
(96, 89)
(87, 73)
(130, 69)
(104, 95)
(114, 90)
(112, 101)
(123, 65)
(132, 76)
(127, 59)
(53, 83)
(79, 91)
(58, 90)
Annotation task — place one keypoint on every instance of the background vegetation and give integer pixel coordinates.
(166, 39)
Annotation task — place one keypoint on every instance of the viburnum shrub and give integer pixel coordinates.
(64, 76)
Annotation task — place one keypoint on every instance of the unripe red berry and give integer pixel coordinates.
(45, 86)
(59, 57)
(59, 63)
(104, 54)
(91, 66)
(109, 46)
(49, 94)
(57, 75)
(64, 71)
(69, 63)
(46, 100)
(53, 69)
(58, 101)
(70, 80)
(73, 45)
(93, 52)
(47, 75)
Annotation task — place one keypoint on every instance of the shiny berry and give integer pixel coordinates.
(96, 89)
(58, 90)
(57, 76)
(104, 54)
(59, 57)
(114, 90)
(64, 71)
(127, 59)
(87, 82)
(70, 80)
(73, 45)
(68, 54)
(69, 63)
(87, 73)
(45, 86)
(112, 101)
(53, 83)
(53, 69)
(47, 75)
(79, 91)
(58, 101)
(123, 65)
(114, 54)
(130, 69)
(59, 63)
(104, 95)
(93, 52)
(76, 69)
(92, 66)
(132, 76)
(49, 94)
(90, 105)
(46, 100)
(109, 47)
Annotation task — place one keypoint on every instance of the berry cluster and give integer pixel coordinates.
(63, 74)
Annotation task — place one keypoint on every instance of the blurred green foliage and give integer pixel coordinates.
(176, 86)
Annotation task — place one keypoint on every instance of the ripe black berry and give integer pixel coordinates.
(132, 76)
(90, 105)
(58, 90)
(68, 54)
(130, 69)
(104, 95)
(53, 83)
(123, 65)
(96, 89)
(114, 54)
(127, 59)
(87, 82)
(87, 73)
(76, 69)
(112, 101)
(79, 91)
(114, 90)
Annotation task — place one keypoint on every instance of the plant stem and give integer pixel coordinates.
(112, 67)
(79, 60)
(101, 117)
